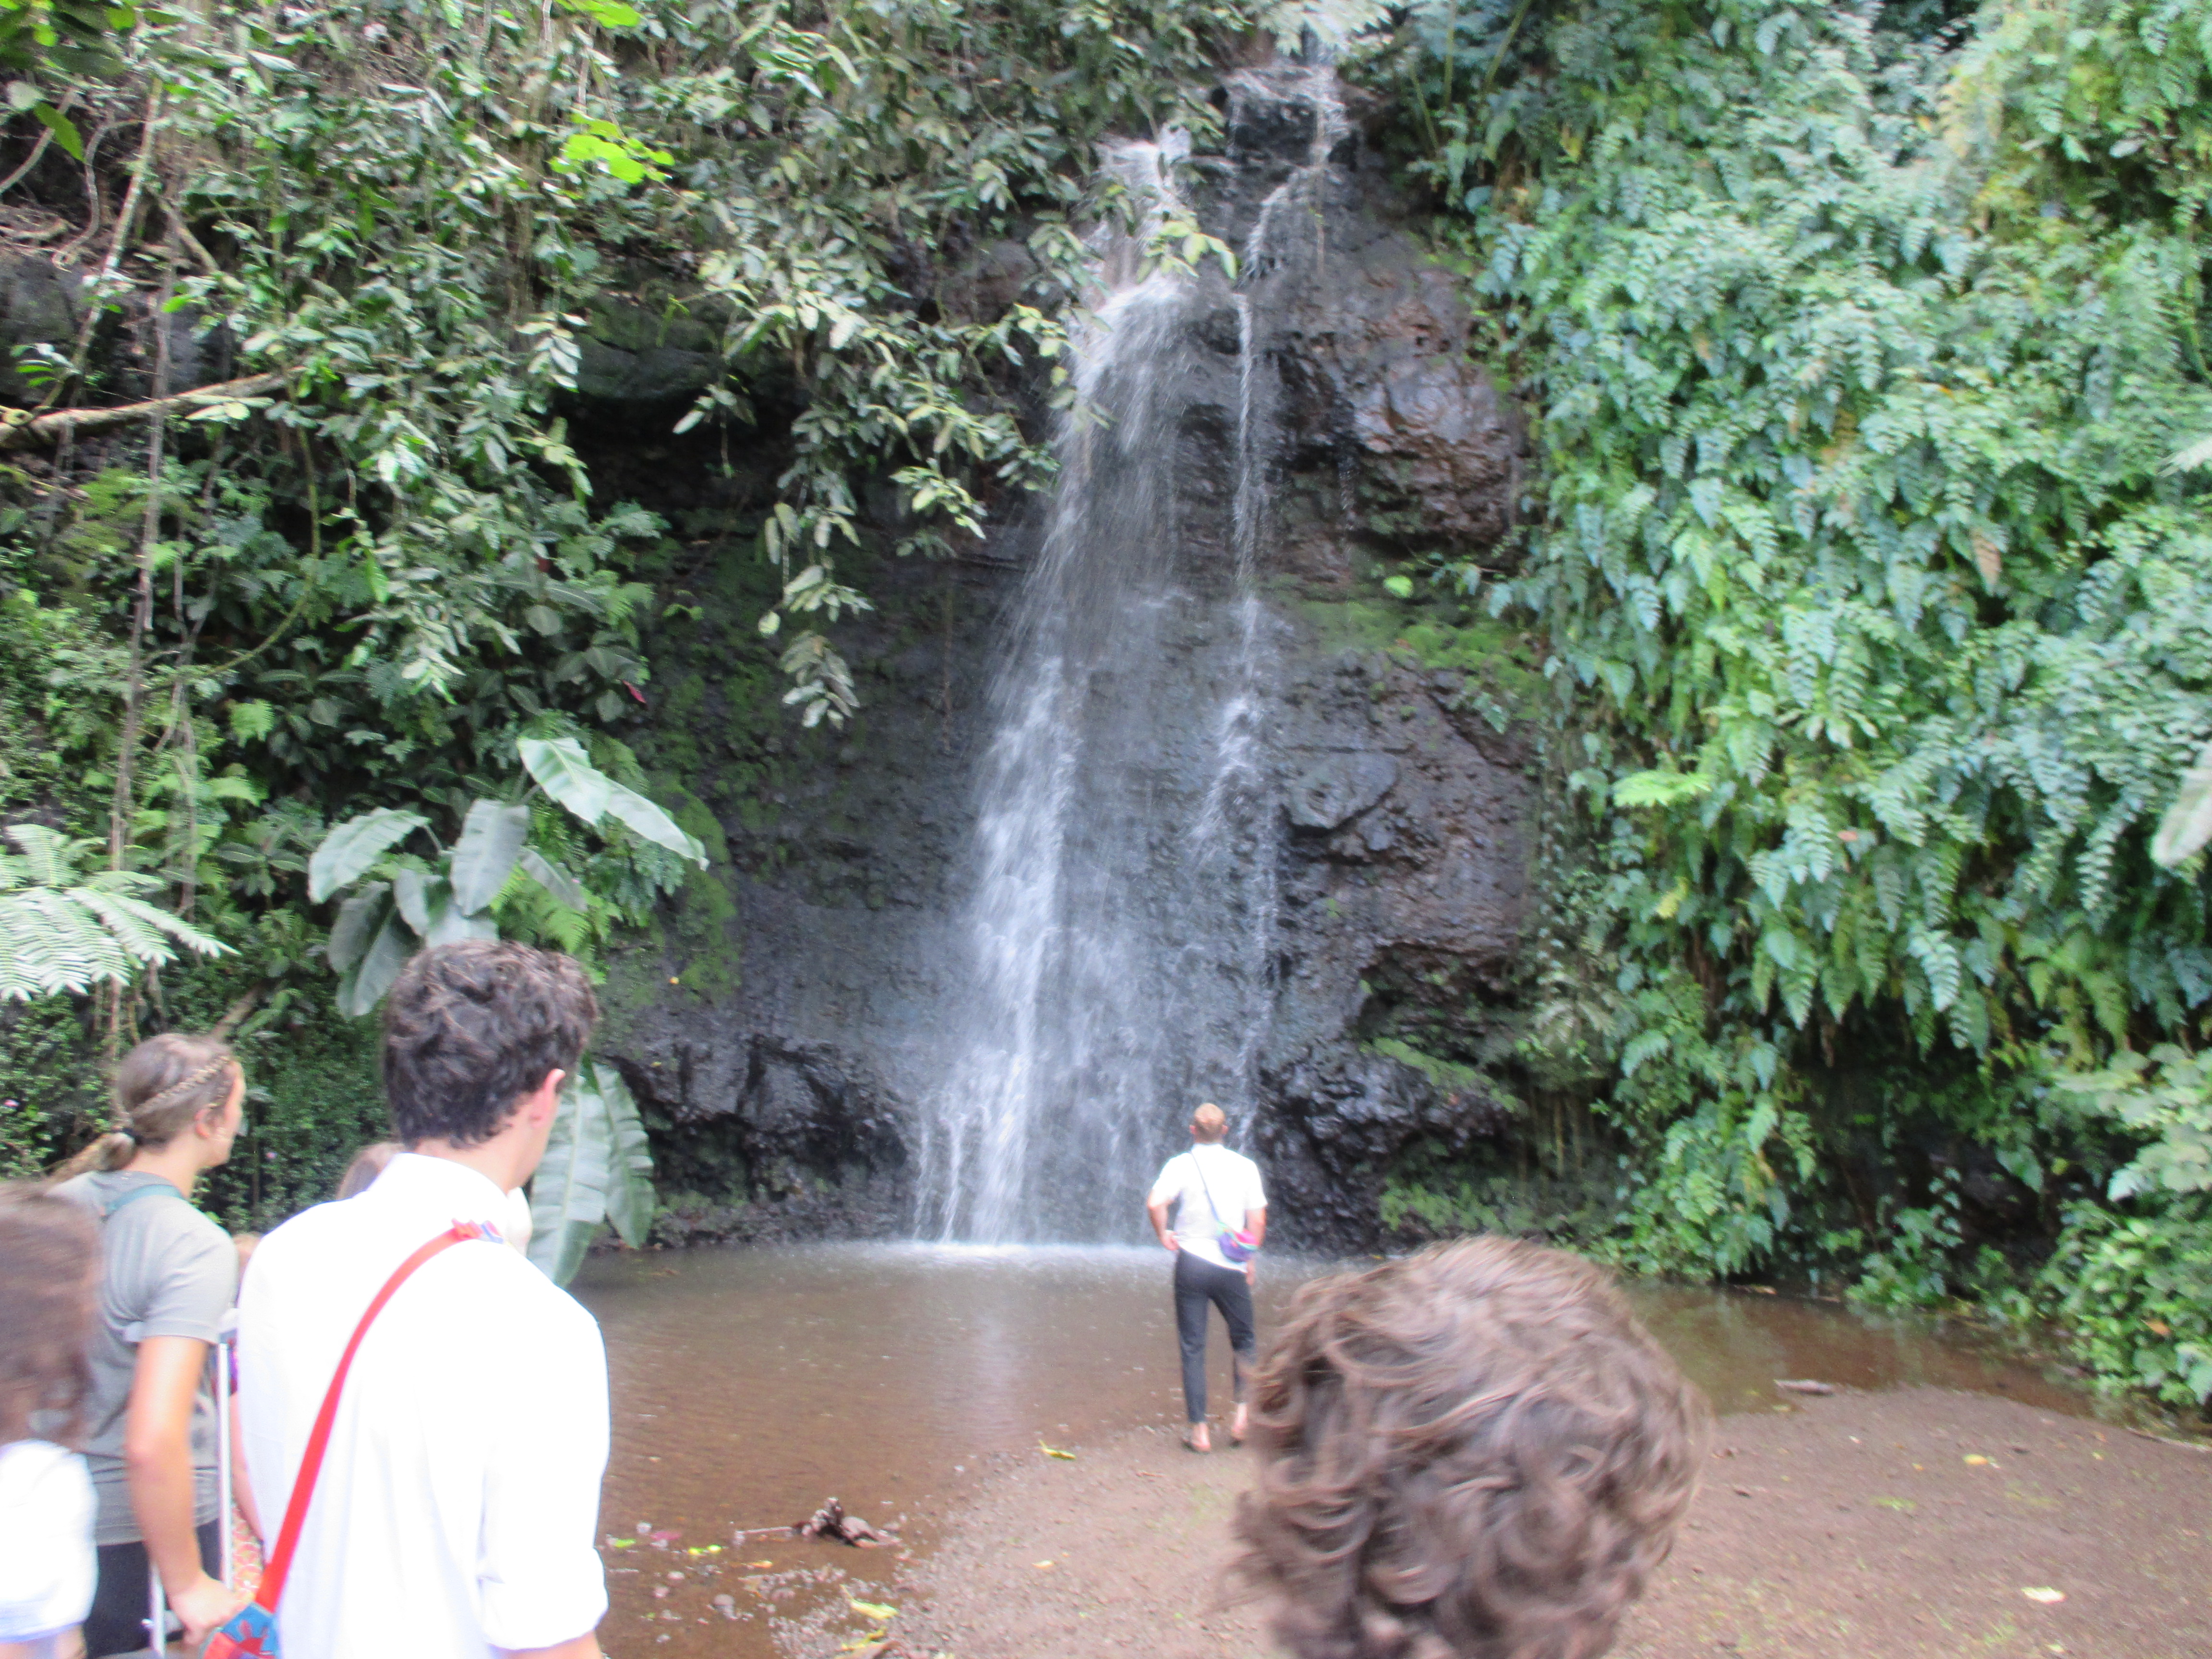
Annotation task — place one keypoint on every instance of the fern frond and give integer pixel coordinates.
(50, 858)
(71, 938)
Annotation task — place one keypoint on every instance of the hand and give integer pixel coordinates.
(1251, 1273)
(203, 1604)
(1168, 1242)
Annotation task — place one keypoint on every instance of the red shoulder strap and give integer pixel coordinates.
(319, 1439)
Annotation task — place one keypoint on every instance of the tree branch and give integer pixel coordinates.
(19, 426)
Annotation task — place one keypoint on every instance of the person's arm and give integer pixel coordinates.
(1156, 1211)
(1255, 1223)
(157, 1462)
(69, 1645)
(241, 1480)
(541, 1584)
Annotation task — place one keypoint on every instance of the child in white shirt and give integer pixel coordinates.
(48, 1275)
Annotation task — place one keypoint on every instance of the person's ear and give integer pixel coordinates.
(545, 1100)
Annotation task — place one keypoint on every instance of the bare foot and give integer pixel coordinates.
(1198, 1441)
(1239, 1424)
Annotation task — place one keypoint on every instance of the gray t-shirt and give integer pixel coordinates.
(167, 1271)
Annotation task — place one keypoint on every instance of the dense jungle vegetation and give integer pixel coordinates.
(1863, 348)
(1863, 345)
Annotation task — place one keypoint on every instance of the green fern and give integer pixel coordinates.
(64, 929)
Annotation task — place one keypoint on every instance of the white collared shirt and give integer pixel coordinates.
(458, 1501)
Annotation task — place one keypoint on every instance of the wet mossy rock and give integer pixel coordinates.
(782, 1030)
(654, 345)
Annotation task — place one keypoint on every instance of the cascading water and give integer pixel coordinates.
(1126, 848)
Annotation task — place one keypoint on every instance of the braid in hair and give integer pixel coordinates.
(161, 1085)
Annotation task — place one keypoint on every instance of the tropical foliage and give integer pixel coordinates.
(372, 563)
(597, 1166)
(1859, 339)
(65, 929)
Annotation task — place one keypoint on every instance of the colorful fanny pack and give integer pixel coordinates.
(251, 1632)
(1236, 1244)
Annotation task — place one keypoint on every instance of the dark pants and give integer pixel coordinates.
(117, 1623)
(1196, 1284)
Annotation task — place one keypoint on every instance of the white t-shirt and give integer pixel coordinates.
(458, 1502)
(1186, 1179)
(47, 1561)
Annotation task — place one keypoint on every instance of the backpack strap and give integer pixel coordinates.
(319, 1439)
(151, 1190)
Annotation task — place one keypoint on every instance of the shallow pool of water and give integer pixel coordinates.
(749, 1385)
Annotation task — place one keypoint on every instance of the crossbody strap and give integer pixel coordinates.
(1219, 1225)
(319, 1439)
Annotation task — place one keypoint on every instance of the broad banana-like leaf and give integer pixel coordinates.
(361, 918)
(596, 1168)
(366, 983)
(412, 891)
(564, 887)
(566, 773)
(630, 1200)
(2187, 824)
(491, 841)
(656, 825)
(448, 924)
(347, 851)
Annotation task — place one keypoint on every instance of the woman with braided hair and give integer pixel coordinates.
(168, 1277)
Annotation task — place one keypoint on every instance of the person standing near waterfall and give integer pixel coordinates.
(1220, 1212)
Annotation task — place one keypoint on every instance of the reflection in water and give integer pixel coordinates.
(750, 1384)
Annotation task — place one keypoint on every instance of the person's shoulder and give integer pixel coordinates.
(55, 1473)
(89, 1192)
(522, 1291)
(183, 1222)
(310, 1234)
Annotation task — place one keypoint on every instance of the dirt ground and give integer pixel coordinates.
(1901, 1525)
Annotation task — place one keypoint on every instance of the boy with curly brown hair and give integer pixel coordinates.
(1473, 1453)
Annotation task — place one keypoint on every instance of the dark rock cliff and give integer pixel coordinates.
(784, 1027)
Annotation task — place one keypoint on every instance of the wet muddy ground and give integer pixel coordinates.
(918, 1385)
(1917, 1523)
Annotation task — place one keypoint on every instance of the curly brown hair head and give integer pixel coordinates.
(471, 1027)
(49, 1278)
(1473, 1453)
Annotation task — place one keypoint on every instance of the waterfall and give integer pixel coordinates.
(1121, 928)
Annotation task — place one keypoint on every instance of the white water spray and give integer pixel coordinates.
(1125, 862)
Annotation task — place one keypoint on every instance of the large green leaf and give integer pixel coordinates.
(564, 887)
(349, 851)
(596, 1168)
(365, 984)
(568, 1193)
(361, 918)
(630, 1199)
(491, 841)
(449, 923)
(415, 893)
(656, 825)
(566, 773)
